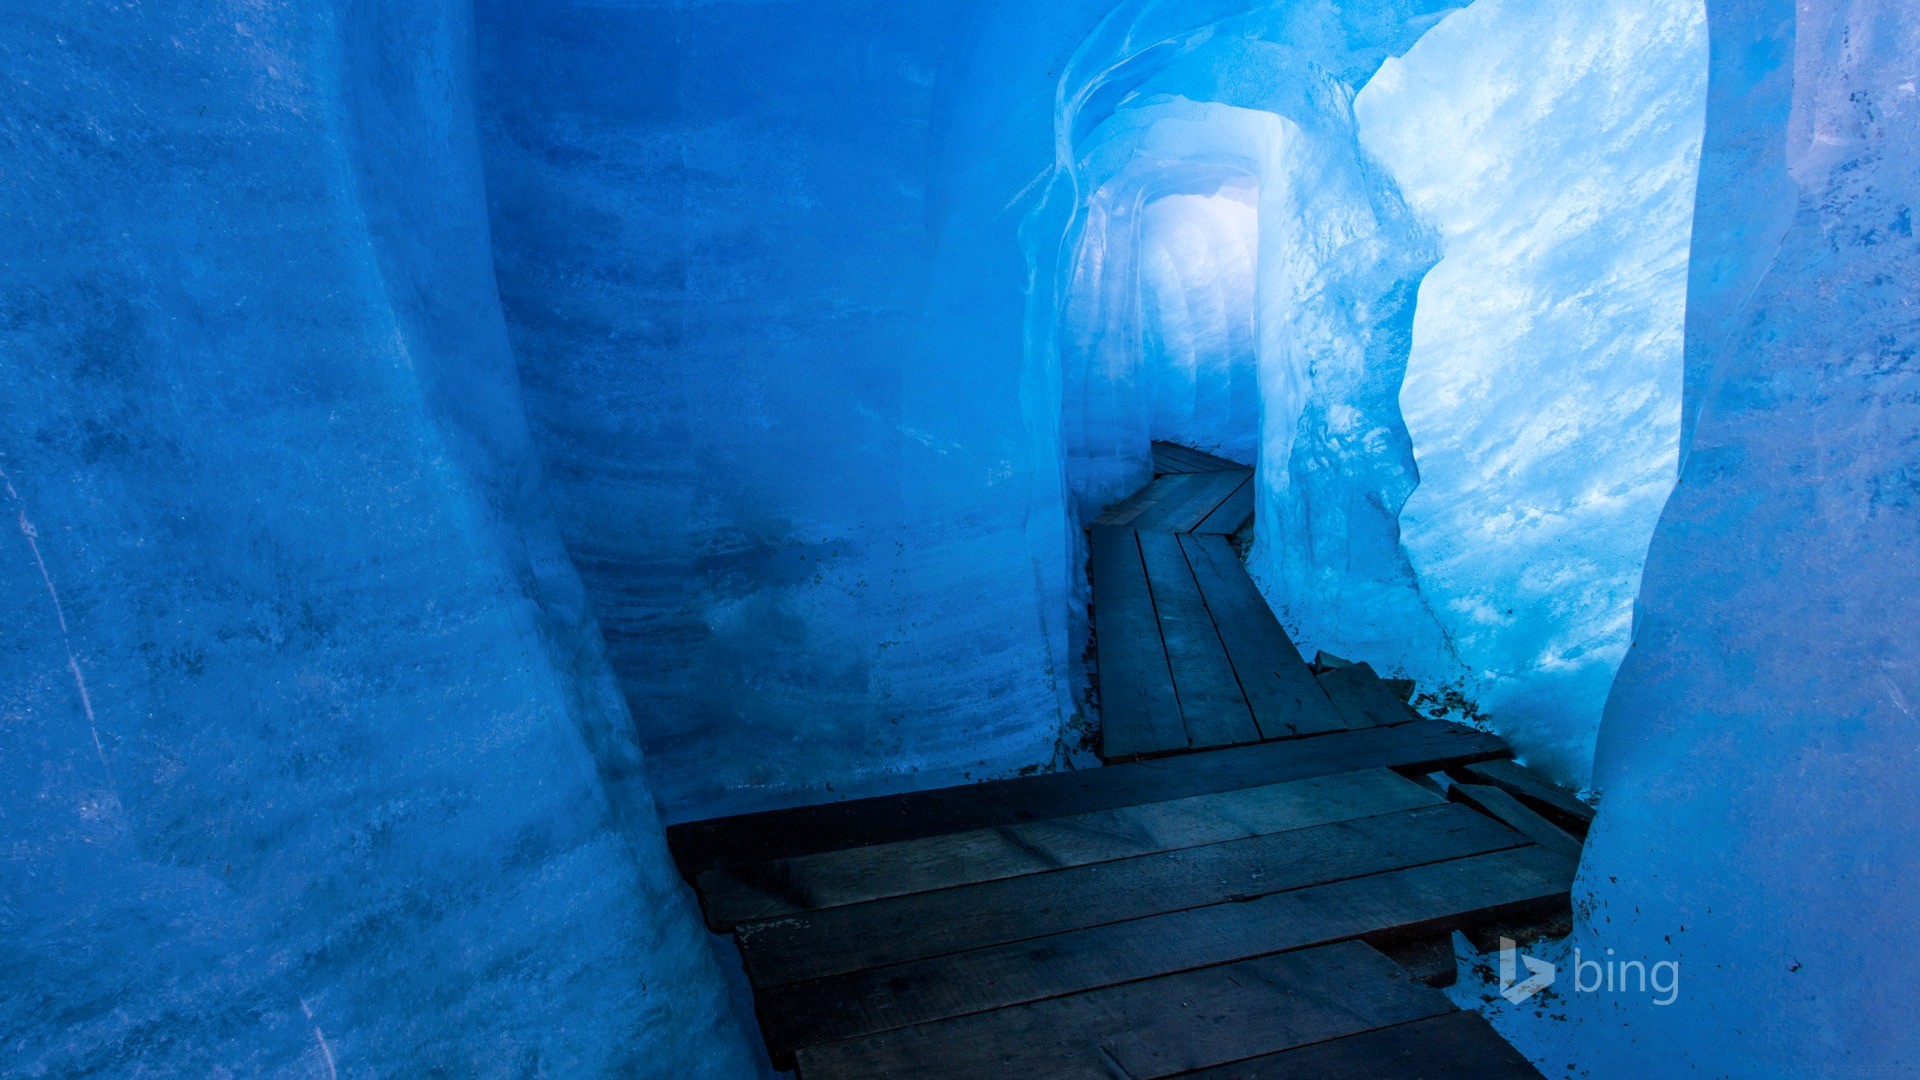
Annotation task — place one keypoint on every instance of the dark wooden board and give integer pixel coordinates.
(1159, 497)
(1430, 959)
(836, 940)
(1530, 786)
(1232, 515)
(1200, 459)
(1139, 712)
(1282, 693)
(1453, 1046)
(1182, 515)
(1347, 888)
(1147, 1030)
(735, 894)
(1362, 699)
(1518, 816)
(1211, 704)
(1427, 746)
(1131, 507)
(1167, 465)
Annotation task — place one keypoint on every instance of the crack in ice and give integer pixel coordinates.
(326, 1051)
(32, 535)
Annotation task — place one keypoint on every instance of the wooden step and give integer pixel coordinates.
(1346, 886)
(992, 909)
(1422, 747)
(1147, 1030)
(1517, 816)
(1537, 790)
(1452, 1046)
(1196, 460)
(806, 883)
(1362, 699)
(1158, 498)
(1186, 514)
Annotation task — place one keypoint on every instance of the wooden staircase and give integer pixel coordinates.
(1221, 900)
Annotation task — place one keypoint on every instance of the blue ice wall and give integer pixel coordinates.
(1758, 754)
(311, 761)
(1555, 147)
(779, 391)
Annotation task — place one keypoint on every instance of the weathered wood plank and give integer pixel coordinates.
(1518, 816)
(1531, 787)
(1165, 464)
(1199, 458)
(1428, 746)
(1166, 492)
(1452, 1046)
(736, 894)
(1139, 710)
(1215, 712)
(1362, 699)
(1146, 1030)
(835, 940)
(1187, 455)
(1347, 887)
(1204, 499)
(1232, 515)
(1281, 692)
(1130, 507)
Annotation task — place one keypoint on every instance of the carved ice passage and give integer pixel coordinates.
(1444, 314)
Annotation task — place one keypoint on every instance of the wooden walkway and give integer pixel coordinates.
(1228, 898)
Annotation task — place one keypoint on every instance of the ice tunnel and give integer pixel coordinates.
(448, 441)
(1359, 281)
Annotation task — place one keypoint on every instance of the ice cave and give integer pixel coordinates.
(960, 538)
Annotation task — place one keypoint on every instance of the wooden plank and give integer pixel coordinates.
(1338, 898)
(994, 912)
(1231, 516)
(1200, 458)
(1130, 507)
(1362, 699)
(1215, 712)
(1194, 459)
(1199, 509)
(1518, 817)
(1165, 464)
(1139, 713)
(1182, 514)
(736, 894)
(1429, 959)
(1281, 692)
(1168, 491)
(1157, 1028)
(1428, 746)
(1530, 786)
(1452, 1046)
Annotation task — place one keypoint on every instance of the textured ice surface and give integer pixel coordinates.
(1758, 753)
(310, 764)
(778, 383)
(1555, 146)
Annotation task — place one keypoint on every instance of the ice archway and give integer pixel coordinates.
(1460, 470)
